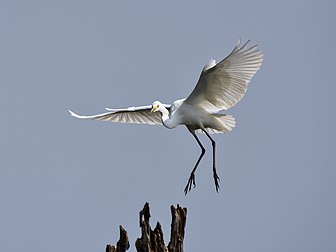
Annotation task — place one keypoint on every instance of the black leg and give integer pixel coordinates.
(215, 176)
(191, 180)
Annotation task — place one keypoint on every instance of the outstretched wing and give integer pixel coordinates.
(130, 115)
(222, 85)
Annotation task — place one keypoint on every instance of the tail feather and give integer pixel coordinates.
(228, 121)
(227, 124)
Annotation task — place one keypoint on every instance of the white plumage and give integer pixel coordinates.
(219, 87)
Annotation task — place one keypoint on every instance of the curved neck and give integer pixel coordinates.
(166, 120)
(164, 114)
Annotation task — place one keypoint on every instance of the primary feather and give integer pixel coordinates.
(140, 115)
(222, 85)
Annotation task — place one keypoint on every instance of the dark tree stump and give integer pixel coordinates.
(179, 217)
(152, 240)
(122, 244)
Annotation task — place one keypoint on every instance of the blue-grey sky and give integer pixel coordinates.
(66, 184)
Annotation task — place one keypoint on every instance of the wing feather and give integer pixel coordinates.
(139, 115)
(222, 85)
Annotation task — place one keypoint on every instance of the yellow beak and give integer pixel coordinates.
(154, 109)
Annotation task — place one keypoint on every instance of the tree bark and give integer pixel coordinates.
(152, 240)
(179, 217)
(122, 244)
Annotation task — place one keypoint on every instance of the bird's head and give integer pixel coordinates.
(156, 106)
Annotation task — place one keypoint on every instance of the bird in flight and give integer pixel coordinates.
(220, 86)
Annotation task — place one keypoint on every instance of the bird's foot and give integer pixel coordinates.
(216, 179)
(191, 181)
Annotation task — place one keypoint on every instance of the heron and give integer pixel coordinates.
(220, 86)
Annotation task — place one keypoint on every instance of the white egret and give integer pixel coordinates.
(220, 87)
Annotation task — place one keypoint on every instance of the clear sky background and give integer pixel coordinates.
(67, 184)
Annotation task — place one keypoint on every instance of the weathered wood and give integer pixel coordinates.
(179, 217)
(122, 244)
(152, 240)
